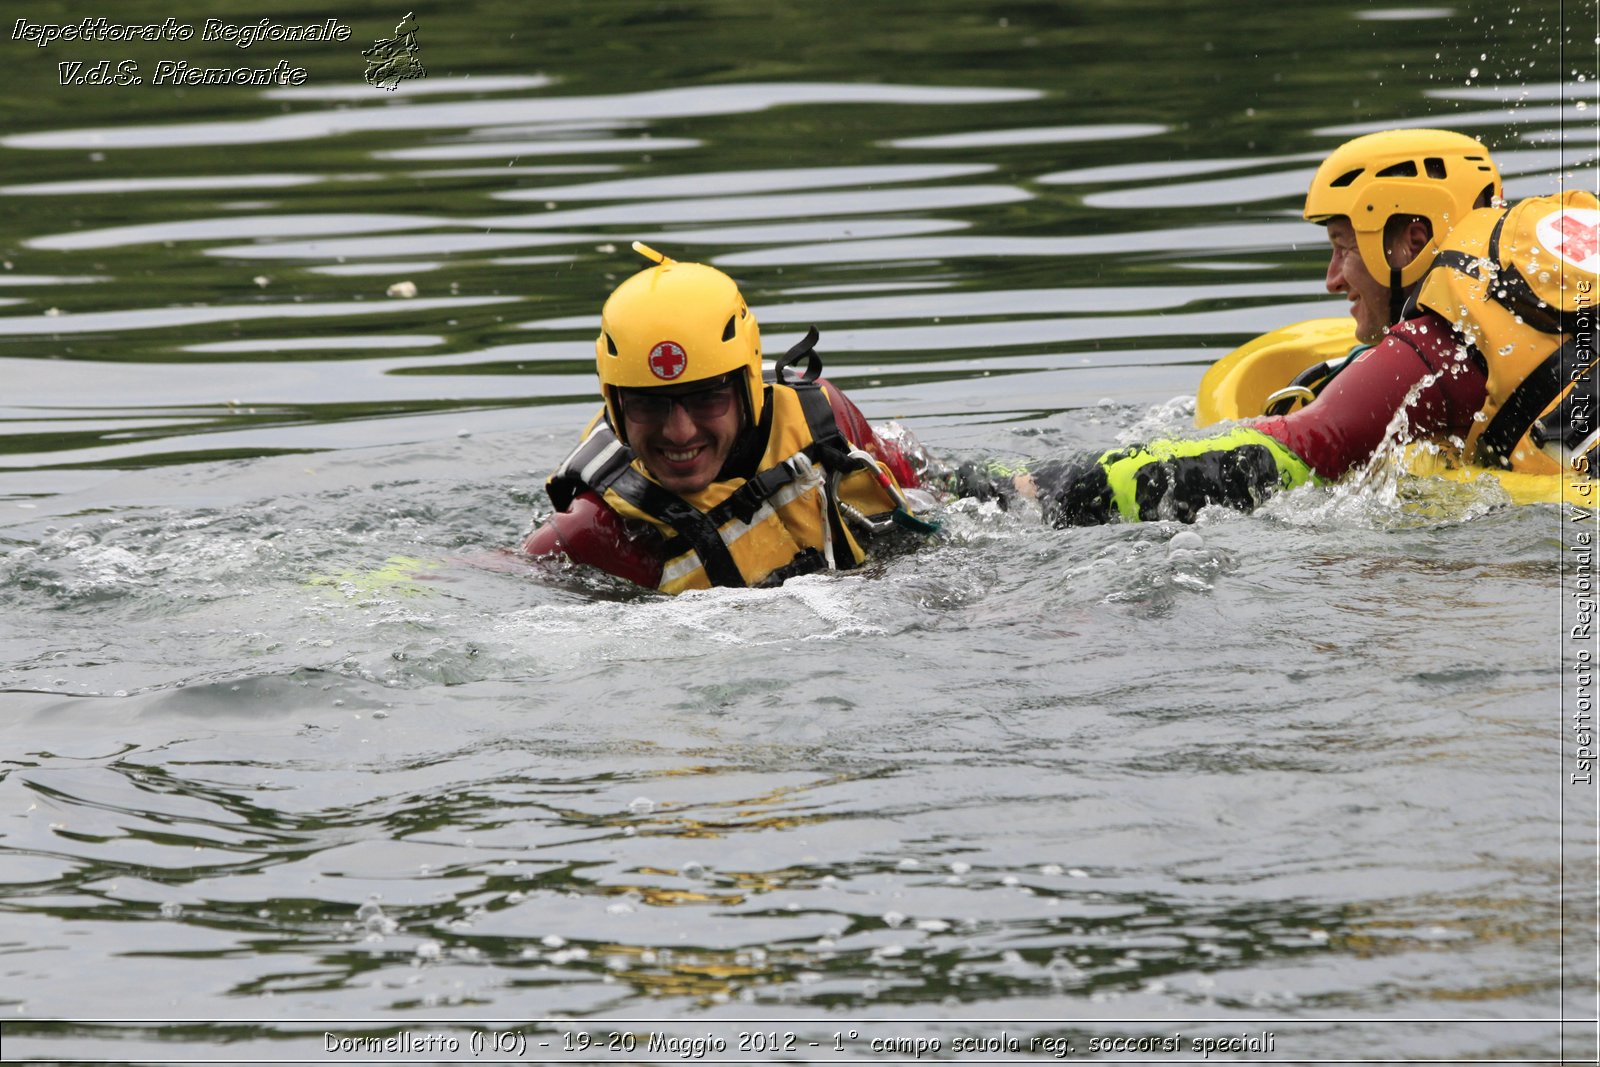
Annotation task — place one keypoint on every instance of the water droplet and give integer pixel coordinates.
(1186, 541)
(958, 867)
(429, 950)
(692, 870)
(893, 918)
(171, 910)
(552, 941)
(641, 805)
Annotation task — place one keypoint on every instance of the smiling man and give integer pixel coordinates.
(1476, 320)
(1473, 309)
(1389, 202)
(700, 471)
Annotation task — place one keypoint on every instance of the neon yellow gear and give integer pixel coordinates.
(1169, 479)
(1128, 472)
(675, 324)
(1436, 174)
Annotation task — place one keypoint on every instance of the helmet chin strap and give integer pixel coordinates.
(1397, 296)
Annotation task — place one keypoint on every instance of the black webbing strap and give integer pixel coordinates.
(748, 498)
(1506, 285)
(1456, 260)
(612, 468)
(1511, 291)
(1570, 423)
(805, 348)
(808, 562)
(1451, 259)
(1525, 404)
(828, 445)
(694, 528)
(829, 449)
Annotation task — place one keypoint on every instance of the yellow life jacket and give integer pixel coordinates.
(1519, 285)
(789, 518)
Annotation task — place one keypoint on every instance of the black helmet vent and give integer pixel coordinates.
(611, 346)
(729, 330)
(1434, 167)
(1346, 178)
(1403, 169)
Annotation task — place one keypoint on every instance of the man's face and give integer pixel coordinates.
(683, 435)
(1348, 274)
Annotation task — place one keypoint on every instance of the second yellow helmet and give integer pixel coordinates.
(1437, 174)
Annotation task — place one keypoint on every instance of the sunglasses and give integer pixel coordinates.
(651, 407)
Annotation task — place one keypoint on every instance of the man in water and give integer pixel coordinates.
(1477, 320)
(698, 471)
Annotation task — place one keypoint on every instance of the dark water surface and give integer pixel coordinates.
(290, 750)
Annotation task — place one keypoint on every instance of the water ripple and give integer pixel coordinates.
(684, 102)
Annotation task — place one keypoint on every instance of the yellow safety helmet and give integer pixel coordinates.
(1437, 174)
(673, 324)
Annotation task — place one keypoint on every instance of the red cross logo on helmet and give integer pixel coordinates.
(668, 360)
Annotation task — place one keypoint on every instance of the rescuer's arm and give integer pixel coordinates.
(1164, 479)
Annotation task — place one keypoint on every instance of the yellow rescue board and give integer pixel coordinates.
(1237, 386)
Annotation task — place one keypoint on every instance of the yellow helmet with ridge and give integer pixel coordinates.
(674, 324)
(1437, 174)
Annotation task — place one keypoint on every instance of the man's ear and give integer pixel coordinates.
(1412, 240)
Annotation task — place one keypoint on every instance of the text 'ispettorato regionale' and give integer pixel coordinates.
(110, 71)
